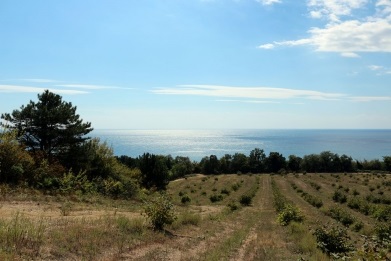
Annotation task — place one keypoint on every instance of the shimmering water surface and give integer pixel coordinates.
(360, 144)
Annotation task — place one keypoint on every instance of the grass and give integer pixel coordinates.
(77, 227)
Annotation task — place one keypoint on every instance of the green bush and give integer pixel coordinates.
(245, 200)
(340, 197)
(215, 198)
(185, 199)
(160, 212)
(340, 215)
(288, 214)
(332, 240)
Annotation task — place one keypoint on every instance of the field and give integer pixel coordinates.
(224, 217)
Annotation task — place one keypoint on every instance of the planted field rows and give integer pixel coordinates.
(220, 217)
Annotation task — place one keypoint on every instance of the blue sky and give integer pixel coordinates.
(202, 64)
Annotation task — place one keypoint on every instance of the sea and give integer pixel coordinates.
(196, 144)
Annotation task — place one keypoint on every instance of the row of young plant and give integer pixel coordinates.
(376, 247)
(287, 211)
(313, 200)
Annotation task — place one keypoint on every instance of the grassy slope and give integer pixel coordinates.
(34, 225)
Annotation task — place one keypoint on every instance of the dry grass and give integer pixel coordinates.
(50, 227)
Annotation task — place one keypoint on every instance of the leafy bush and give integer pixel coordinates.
(340, 215)
(245, 200)
(236, 186)
(215, 198)
(233, 206)
(288, 214)
(332, 240)
(340, 197)
(382, 213)
(160, 212)
(225, 191)
(314, 201)
(185, 199)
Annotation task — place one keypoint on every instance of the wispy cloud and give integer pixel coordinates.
(380, 70)
(266, 46)
(344, 34)
(269, 2)
(90, 86)
(262, 93)
(38, 80)
(32, 89)
(370, 98)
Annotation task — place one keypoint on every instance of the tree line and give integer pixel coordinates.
(45, 145)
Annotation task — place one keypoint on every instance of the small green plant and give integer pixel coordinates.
(333, 240)
(215, 198)
(288, 214)
(340, 215)
(160, 212)
(245, 200)
(225, 191)
(185, 199)
(340, 197)
(232, 206)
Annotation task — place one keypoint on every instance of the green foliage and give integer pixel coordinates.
(339, 196)
(160, 212)
(15, 162)
(49, 125)
(314, 201)
(215, 198)
(340, 215)
(288, 214)
(154, 171)
(71, 183)
(185, 199)
(333, 240)
(245, 200)
(382, 213)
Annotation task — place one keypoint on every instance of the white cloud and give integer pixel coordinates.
(89, 86)
(334, 9)
(31, 89)
(37, 80)
(370, 98)
(375, 67)
(266, 46)
(347, 36)
(350, 55)
(269, 2)
(264, 93)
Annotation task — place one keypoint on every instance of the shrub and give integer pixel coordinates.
(340, 197)
(160, 211)
(245, 200)
(232, 206)
(215, 198)
(225, 191)
(185, 199)
(332, 240)
(235, 186)
(289, 214)
(340, 215)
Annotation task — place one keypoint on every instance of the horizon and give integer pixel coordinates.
(202, 64)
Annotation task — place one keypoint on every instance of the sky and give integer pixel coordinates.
(202, 64)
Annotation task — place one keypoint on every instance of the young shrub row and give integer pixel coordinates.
(313, 200)
(287, 212)
(340, 215)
